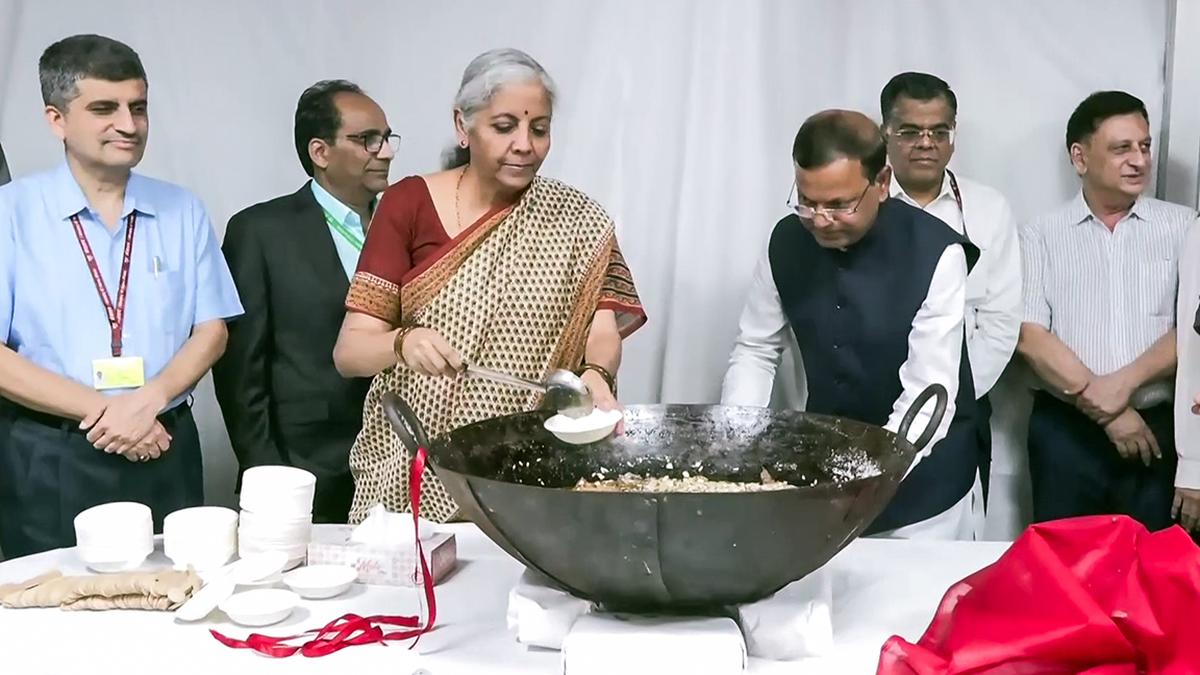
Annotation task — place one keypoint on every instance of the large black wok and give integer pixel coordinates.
(673, 551)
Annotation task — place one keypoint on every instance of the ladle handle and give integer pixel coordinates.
(404, 421)
(497, 376)
(939, 411)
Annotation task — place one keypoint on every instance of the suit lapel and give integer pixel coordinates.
(312, 235)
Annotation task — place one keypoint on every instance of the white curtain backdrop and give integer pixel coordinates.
(677, 115)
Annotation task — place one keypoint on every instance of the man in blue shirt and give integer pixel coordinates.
(292, 258)
(113, 301)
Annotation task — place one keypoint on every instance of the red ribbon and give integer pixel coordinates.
(350, 629)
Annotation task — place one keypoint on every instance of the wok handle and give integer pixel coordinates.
(404, 421)
(939, 411)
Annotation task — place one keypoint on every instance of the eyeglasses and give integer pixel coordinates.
(913, 135)
(372, 141)
(807, 212)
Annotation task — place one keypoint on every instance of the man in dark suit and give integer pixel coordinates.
(292, 258)
(4, 175)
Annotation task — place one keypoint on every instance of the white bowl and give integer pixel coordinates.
(278, 489)
(209, 521)
(260, 533)
(276, 477)
(109, 561)
(201, 541)
(263, 583)
(260, 607)
(281, 537)
(202, 560)
(287, 505)
(274, 524)
(259, 568)
(205, 600)
(590, 428)
(202, 537)
(321, 581)
(123, 526)
(291, 552)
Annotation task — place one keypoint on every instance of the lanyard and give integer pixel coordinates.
(115, 313)
(958, 200)
(355, 240)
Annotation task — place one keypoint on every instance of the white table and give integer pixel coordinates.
(881, 588)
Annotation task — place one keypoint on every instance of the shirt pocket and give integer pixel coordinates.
(171, 312)
(1156, 292)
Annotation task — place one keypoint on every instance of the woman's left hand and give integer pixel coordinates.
(602, 396)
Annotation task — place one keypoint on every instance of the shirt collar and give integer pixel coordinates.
(70, 200)
(898, 192)
(341, 213)
(1079, 212)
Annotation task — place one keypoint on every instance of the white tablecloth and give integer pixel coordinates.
(881, 588)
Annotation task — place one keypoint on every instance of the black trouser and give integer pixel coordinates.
(1076, 470)
(49, 472)
(331, 502)
(323, 448)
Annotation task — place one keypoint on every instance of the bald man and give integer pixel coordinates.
(873, 290)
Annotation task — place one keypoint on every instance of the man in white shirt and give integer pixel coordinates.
(1099, 326)
(873, 290)
(920, 113)
(1186, 506)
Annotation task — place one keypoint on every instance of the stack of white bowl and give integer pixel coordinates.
(276, 513)
(202, 537)
(114, 537)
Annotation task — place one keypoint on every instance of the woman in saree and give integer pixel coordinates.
(484, 263)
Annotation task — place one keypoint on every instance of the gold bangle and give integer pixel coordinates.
(603, 373)
(398, 341)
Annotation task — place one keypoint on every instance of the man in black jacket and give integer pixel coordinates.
(4, 175)
(873, 290)
(292, 257)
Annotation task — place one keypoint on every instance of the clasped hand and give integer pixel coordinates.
(127, 425)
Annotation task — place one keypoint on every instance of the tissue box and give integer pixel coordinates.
(393, 566)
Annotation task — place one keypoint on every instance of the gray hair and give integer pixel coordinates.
(72, 59)
(484, 76)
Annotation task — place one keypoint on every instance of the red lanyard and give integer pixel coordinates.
(350, 629)
(116, 314)
(959, 200)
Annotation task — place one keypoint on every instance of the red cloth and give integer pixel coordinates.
(1098, 595)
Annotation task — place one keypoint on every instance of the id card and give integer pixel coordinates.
(122, 372)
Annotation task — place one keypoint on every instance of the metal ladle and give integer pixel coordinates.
(565, 391)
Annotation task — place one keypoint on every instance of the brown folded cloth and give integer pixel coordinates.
(161, 590)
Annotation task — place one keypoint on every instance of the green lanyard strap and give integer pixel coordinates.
(355, 240)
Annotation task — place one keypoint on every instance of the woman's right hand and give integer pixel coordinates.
(428, 353)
